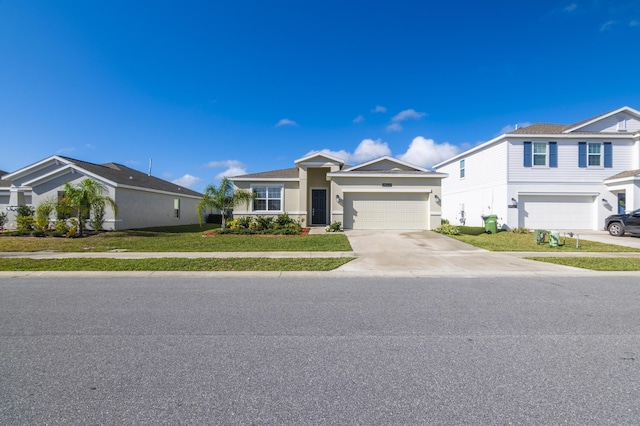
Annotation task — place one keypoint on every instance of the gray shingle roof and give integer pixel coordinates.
(4, 183)
(625, 174)
(291, 173)
(124, 175)
(540, 129)
(387, 172)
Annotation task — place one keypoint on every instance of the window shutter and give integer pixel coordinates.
(527, 154)
(553, 154)
(582, 154)
(608, 154)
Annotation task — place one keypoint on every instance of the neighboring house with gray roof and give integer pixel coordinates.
(385, 193)
(143, 200)
(548, 176)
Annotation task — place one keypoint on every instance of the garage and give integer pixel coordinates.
(556, 211)
(371, 210)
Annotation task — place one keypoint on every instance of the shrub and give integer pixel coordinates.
(263, 223)
(43, 215)
(73, 228)
(283, 220)
(444, 221)
(97, 217)
(244, 222)
(61, 228)
(472, 230)
(520, 230)
(447, 229)
(38, 233)
(3, 220)
(334, 227)
(24, 218)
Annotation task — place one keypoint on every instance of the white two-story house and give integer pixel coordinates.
(548, 176)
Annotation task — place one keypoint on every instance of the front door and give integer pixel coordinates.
(318, 206)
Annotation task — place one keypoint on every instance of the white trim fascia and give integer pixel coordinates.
(602, 117)
(255, 213)
(264, 179)
(559, 193)
(431, 175)
(628, 179)
(384, 191)
(112, 220)
(36, 166)
(73, 168)
(309, 164)
(386, 157)
(319, 154)
(157, 191)
(337, 212)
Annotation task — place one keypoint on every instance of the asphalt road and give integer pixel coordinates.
(319, 351)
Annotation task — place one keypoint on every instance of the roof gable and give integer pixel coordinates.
(386, 163)
(623, 119)
(321, 158)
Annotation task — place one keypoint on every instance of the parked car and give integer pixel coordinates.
(618, 224)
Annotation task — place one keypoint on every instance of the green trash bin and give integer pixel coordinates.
(491, 224)
(554, 239)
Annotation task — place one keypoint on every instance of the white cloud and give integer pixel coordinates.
(230, 172)
(233, 168)
(571, 7)
(511, 127)
(286, 122)
(607, 25)
(379, 108)
(366, 150)
(187, 181)
(65, 150)
(223, 163)
(426, 152)
(359, 119)
(408, 114)
(394, 127)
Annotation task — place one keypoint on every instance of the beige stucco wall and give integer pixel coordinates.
(291, 200)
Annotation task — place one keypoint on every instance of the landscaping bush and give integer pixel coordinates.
(334, 227)
(263, 223)
(244, 222)
(471, 230)
(3, 220)
(520, 230)
(447, 229)
(24, 218)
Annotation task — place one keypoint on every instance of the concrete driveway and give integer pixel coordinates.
(427, 252)
(626, 240)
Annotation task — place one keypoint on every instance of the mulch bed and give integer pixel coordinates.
(305, 231)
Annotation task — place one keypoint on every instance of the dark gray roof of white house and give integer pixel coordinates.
(124, 175)
(625, 174)
(291, 173)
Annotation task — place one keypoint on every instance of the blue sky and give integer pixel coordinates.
(212, 88)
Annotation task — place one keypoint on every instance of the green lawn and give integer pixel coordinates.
(173, 264)
(176, 239)
(507, 241)
(595, 263)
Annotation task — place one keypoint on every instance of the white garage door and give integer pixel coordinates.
(385, 211)
(556, 212)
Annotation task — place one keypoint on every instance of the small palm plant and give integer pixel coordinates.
(81, 198)
(222, 197)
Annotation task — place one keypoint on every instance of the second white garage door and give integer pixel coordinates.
(385, 210)
(556, 212)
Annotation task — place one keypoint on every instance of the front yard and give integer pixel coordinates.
(176, 239)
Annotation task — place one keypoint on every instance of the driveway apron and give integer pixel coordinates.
(429, 251)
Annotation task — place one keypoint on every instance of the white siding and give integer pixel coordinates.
(610, 124)
(483, 189)
(567, 170)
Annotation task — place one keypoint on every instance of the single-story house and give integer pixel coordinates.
(143, 200)
(385, 193)
(548, 176)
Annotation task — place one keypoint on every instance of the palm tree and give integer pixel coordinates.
(222, 198)
(85, 196)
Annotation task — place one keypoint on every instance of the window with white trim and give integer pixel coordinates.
(539, 153)
(267, 198)
(462, 169)
(594, 154)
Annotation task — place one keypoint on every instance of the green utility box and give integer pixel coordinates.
(539, 236)
(554, 239)
(491, 224)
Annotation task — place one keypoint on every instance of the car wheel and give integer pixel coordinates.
(616, 229)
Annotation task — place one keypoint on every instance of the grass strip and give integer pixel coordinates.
(177, 239)
(508, 241)
(174, 264)
(595, 263)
